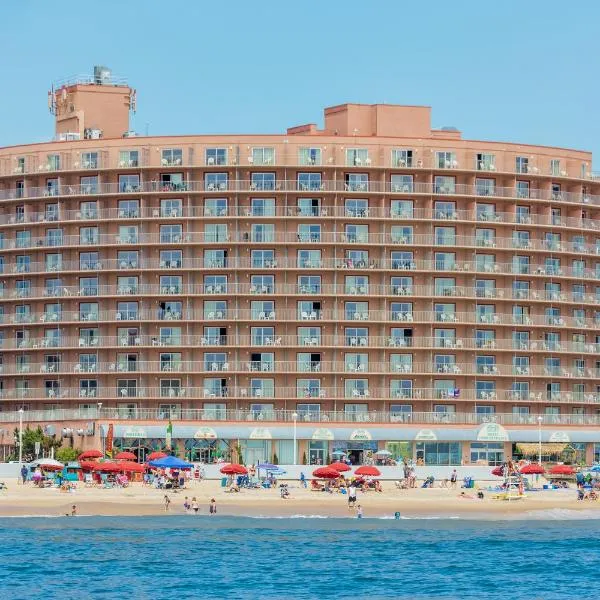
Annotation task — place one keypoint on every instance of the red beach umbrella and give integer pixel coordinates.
(234, 469)
(368, 470)
(562, 470)
(498, 471)
(90, 454)
(107, 467)
(156, 455)
(340, 467)
(126, 456)
(533, 469)
(88, 465)
(326, 473)
(131, 467)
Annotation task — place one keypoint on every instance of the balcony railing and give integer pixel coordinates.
(225, 289)
(323, 212)
(288, 416)
(290, 315)
(284, 186)
(348, 368)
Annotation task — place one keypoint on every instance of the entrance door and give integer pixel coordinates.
(355, 456)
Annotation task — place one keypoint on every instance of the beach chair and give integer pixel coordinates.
(106, 484)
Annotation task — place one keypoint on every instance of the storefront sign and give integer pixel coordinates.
(135, 432)
(360, 435)
(322, 434)
(260, 433)
(205, 433)
(492, 432)
(559, 436)
(426, 435)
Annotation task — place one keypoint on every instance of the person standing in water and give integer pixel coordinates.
(212, 509)
(167, 501)
(359, 512)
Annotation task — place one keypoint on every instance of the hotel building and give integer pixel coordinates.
(375, 284)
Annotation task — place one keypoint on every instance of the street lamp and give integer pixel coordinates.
(540, 419)
(20, 440)
(295, 418)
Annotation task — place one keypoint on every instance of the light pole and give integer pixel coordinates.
(540, 419)
(295, 417)
(20, 440)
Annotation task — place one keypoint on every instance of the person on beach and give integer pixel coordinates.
(167, 501)
(359, 512)
(195, 505)
(351, 496)
(186, 505)
(453, 479)
(303, 479)
(24, 474)
(212, 508)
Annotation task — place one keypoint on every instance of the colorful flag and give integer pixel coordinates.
(169, 435)
(109, 440)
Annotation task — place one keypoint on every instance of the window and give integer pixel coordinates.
(401, 184)
(262, 207)
(445, 160)
(170, 234)
(402, 158)
(445, 185)
(357, 157)
(356, 182)
(215, 233)
(53, 162)
(171, 157)
(522, 189)
(309, 156)
(485, 162)
(438, 453)
(89, 185)
(215, 207)
(262, 284)
(89, 236)
(309, 284)
(262, 181)
(129, 183)
(309, 182)
(129, 158)
(309, 233)
(403, 209)
(215, 182)
(491, 453)
(171, 208)
(522, 164)
(262, 156)
(485, 187)
(261, 232)
(216, 156)
(262, 310)
(310, 207)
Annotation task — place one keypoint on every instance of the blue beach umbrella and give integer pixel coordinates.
(170, 462)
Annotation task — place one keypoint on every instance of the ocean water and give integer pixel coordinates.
(546, 556)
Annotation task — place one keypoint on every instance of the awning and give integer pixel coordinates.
(534, 449)
(337, 432)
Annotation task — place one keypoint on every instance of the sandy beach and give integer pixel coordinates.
(137, 499)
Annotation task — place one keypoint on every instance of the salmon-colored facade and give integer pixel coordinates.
(373, 284)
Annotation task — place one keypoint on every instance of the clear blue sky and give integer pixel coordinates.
(509, 70)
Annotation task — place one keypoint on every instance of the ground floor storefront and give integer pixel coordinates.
(487, 444)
